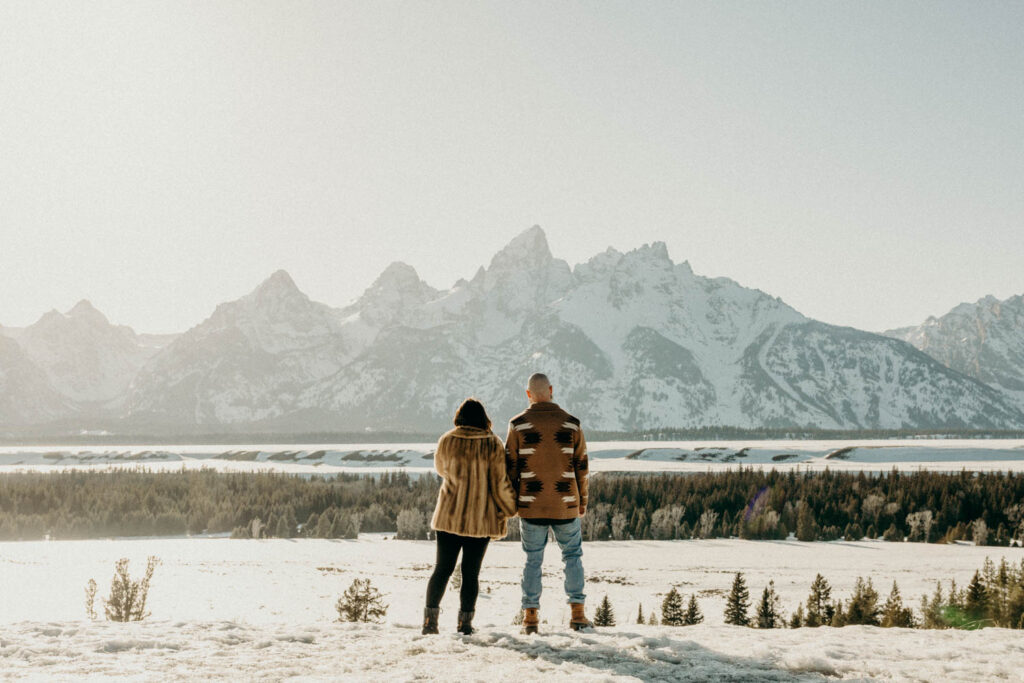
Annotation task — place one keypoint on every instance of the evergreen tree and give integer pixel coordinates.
(819, 603)
(309, 527)
(797, 620)
(282, 531)
(604, 615)
(769, 610)
(838, 616)
(672, 609)
(894, 614)
(737, 605)
(806, 528)
(652, 620)
(892, 534)
(640, 613)
(863, 605)
(976, 601)
(693, 614)
(932, 610)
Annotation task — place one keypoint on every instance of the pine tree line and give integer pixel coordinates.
(77, 504)
(987, 508)
(994, 597)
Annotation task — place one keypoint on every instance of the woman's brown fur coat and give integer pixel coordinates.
(476, 496)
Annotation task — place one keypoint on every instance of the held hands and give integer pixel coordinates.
(583, 510)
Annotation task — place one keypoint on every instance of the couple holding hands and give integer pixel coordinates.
(539, 474)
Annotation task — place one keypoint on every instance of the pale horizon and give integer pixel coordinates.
(865, 164)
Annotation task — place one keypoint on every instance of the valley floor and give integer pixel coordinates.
(240, 609)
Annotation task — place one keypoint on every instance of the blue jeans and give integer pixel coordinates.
(570, 540)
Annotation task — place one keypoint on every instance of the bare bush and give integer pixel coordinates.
(127, 600)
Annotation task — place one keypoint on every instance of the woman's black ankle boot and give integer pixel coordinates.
(466, 623)
(430, 620)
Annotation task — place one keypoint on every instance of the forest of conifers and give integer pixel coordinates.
(987, 508)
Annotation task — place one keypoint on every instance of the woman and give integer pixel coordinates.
(475, 499)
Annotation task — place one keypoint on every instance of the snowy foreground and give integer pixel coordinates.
(247, 609)
(979, 455)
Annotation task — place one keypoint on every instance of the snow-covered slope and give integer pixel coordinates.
(247, 361)
(631, 340)
(85, 357)
(984, 340)
(26, 394)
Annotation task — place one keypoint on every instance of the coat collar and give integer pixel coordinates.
(543, 405)
(464, 432)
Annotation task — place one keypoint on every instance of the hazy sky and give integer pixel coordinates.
(863, 161)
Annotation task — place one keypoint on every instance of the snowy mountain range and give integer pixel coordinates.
(631, 341)
(984, 340)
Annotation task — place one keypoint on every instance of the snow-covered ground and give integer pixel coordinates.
(609, 456)
(252, 609)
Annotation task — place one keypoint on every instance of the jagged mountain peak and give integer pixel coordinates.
(524, 273)
(398, 275)
(397, 292)
(86, 311)
(529, 247)
(279, 282)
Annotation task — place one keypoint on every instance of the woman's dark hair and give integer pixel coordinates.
(472, 414)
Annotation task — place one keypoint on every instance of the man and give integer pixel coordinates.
(546, 456)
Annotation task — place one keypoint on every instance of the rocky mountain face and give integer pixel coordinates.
(87, 359)
(983, 340)
(70, 364)
(26, 394)
(631, 341)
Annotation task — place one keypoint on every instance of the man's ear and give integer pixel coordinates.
(528, 395)
(552, 391)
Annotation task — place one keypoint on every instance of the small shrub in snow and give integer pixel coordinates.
(361, 602)
(605, 615)
(127, 600)
(90, 599)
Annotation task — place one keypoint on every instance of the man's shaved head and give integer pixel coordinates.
(538, 388)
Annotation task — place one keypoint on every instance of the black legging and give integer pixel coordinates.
(448, 547)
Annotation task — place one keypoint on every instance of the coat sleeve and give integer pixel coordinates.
(512, 456)
(501, 486)
(581, 466)
(441, 457)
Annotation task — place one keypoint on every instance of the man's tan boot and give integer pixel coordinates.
(531, 620)
(579, 620)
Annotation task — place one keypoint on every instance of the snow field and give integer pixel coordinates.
(265, 609)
